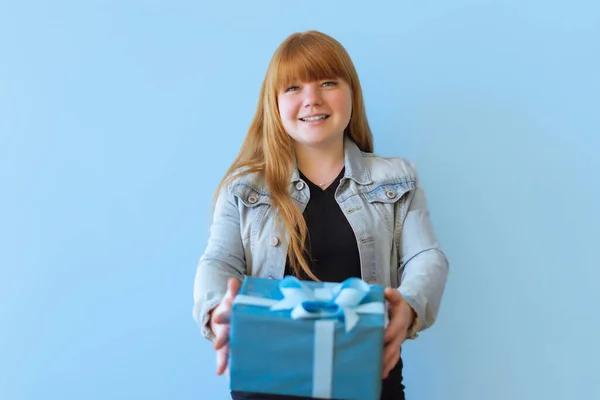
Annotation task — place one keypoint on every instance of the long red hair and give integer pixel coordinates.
(268, 148)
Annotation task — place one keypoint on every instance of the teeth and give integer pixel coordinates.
(310, 119)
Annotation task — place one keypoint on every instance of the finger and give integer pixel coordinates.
(391, 331)
(393, 296)
(223, 314)
(391, 357)
(233, 287)
(222, 359)
(397, 336)
(398, 324)
(396, 327)
(222, 337)
(397, 342)
(385, 370)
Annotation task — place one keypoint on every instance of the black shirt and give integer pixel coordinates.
(334, 257)
(331, 244)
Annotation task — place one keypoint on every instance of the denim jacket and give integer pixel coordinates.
(385, 206)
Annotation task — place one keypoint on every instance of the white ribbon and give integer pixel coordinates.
(326, 305)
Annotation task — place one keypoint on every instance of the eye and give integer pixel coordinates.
(291, 89)
(329, 84)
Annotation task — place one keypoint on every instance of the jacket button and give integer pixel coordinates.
(252, 199)
(300, 185)
(390, 194)
(274, 241)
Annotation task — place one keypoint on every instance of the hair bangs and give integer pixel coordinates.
(305, 59)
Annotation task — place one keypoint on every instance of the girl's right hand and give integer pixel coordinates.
(219, 323)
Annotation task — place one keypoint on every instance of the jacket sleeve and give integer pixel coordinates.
(223, 258)
(423, 268)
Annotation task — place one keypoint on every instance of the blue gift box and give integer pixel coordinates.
(305, 338)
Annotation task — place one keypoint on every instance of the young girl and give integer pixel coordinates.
(306, 196)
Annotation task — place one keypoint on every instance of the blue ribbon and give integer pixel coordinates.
(333, 301)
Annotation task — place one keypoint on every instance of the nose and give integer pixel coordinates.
(312, 95)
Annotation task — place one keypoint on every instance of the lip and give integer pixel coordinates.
(313, 115)
(318, 122)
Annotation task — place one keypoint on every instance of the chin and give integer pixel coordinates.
(317, 140)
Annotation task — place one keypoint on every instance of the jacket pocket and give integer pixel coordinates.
(253, 207)
(385, 196)
(249, 196)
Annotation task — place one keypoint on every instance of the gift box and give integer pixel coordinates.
(304, 338)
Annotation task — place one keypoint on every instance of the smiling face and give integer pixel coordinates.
(311, 96)
(315, 112)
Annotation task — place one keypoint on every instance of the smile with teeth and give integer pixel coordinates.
(314, 118)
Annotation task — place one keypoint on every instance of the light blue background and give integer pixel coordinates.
(117, 119)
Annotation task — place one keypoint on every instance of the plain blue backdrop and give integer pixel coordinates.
(117, 120)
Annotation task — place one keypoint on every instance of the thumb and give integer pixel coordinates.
(393, 296)
(233, 288)
(223, 310)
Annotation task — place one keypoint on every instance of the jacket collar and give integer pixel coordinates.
(355, 167)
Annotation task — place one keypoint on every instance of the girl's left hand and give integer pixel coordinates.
(401, 318)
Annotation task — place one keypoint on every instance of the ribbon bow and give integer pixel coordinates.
(332, 301)
(341, 301)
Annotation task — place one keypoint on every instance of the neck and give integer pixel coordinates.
(321, 163)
